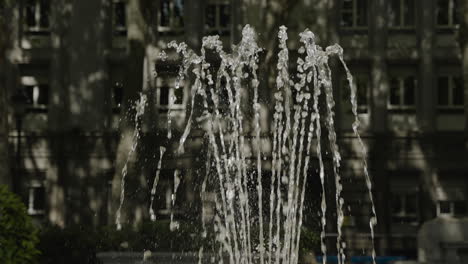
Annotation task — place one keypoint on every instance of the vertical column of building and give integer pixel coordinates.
(79, 107)
(89, 101)
(9, 38)
(57, 115)
(378, 37)
(236, 21)
(194, 14)
(89, 108)
(426, 97)
(194, 22)
(426, 91)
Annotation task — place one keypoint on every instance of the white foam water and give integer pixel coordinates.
(228, 95)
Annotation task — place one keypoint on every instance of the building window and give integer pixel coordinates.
(451, 208)
(361, 84)
(354, 13)
(119, 17)
(168, 97)
(402, 92)
(450, 92)
(117, 96)
(171, 16)
(402, 13)
(404, 207)
(36, 198)
(36, 15)
(447, 13)
(36, 92)
(218, 17)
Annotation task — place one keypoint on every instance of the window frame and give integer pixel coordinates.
(451, 212)
(119, 30)
(171, 28)
(404, 192)
(361, 108)
(217, 28)
(400, 17)
(38, 29)
(450, 16)
(169, 82)
(451, 86)
(401, 86)
(354, 14)
(35, 184)
(36, 83)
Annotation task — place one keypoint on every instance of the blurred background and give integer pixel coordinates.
(71, 70)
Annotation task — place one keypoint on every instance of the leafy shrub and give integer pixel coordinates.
(71, 245)
(18, 235)
(80, 244)
(310, 241)
(154, 236)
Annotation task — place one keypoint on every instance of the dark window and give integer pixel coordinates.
(409, 88)
(37, 95)
(459, 208)
(457, 91)
(443, 90)
(404, 207)
(210, 19)
(445, 207)
(164, 95)
(179, 13)
(361, 13)
(120, 18)
(36, 199)
(44, 15)
(164, 14)
(30, 11)
(179, 95)
(395, 91)
(442, 12)
(361, 86)
(29, 91)
(402, 13)
(39, 198)
(217, 17)
(447, 12)
(453, 208)
(117, 94)
(43, 97)
(450, 91)
(354, 13)
(409, 13)
(403, 91)
(171, 15)
(225, 16)
(36, 15)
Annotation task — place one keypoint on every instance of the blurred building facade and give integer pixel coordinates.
(70, 58)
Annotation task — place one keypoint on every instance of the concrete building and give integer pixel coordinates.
(70, 58)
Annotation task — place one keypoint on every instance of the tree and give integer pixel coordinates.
(18, 233)
(139, 36)
(6, 8)
(463, 42)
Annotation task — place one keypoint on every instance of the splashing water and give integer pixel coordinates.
(140, 110)
(244, 232)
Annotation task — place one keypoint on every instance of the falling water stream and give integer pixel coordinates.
(246, 233)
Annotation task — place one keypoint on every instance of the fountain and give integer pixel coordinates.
(245, 231)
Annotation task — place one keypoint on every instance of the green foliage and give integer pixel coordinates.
(79, 244)
(18, 235)
(154, 236)
(72, 245)
(310, 241)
